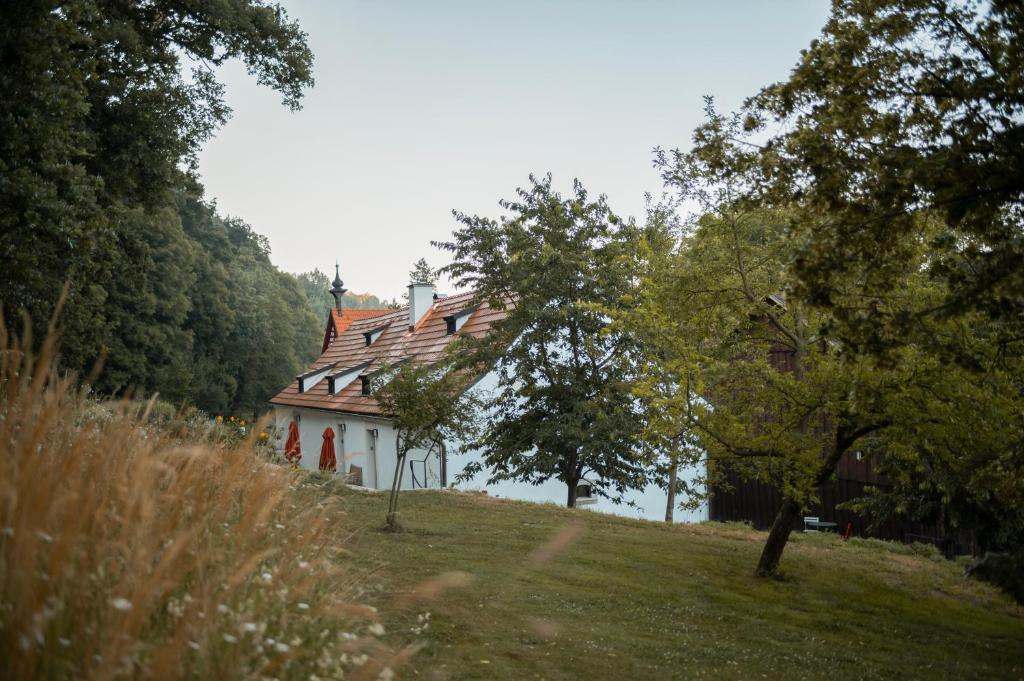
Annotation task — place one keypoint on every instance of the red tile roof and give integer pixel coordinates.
(348, 349)
(341, 319)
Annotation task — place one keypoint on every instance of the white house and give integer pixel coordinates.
(333, 396)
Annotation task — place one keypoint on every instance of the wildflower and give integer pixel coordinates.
(228, 638)
(377, 629)
(242, 422)
(232, 418)
(122, 604)
(386, 674)
(45, 537)
(193, 645)
(249, 627)
(263, 435)
(223, 609)
(303, 606)
(267, 577)
(219, 418)
(282, 647)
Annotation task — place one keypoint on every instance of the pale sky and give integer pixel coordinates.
(424, 107)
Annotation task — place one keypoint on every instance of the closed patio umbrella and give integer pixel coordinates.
(328, 462)
(292, 447)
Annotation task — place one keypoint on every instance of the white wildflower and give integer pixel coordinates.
(193, 645)
(64, 642)
(267, 577)
(228, 638)
(223, 609)
(377, 629)
(386, 674)
(122, 604)
(45, 537)
(303, 606)
(303, 565)
(281, 647)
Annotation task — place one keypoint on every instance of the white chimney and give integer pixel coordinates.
(421, 297)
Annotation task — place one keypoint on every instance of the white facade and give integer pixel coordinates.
(364, 441)
(369, 442)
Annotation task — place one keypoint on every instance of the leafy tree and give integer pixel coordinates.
(428, 403)
(903, 108)
(98, 123)
(422, 272)
(739, 357)
(252, 326)
(563, 407)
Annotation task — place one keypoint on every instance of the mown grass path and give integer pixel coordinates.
(640, 600)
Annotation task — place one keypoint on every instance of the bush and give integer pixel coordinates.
(128, 553)
(1005, 570)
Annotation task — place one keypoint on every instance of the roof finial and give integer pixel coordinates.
(337, 287)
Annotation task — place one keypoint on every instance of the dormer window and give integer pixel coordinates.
(373, 334)
(367, 385)
(310, 378)
(454, 322)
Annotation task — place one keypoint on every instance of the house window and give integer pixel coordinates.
(450, 329)
(366, 385)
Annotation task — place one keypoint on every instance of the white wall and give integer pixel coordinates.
(353, 445)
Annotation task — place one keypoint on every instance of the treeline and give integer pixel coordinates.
(105, 108)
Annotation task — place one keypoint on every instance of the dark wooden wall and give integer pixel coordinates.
(758, 503)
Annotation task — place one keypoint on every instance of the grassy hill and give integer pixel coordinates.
(613, 598)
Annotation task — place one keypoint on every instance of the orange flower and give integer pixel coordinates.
(219, 418)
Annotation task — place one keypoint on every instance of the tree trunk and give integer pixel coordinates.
(571, 500)
(391, 522)
(670, 507)
(768, 565)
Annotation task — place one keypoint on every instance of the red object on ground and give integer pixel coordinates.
(848, 531)
(292, 447)
(328, 462)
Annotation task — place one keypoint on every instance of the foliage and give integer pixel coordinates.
(98, 127)
(902, 108)
(428, 404)
(422, 272)
(126, 552)
(562, 407)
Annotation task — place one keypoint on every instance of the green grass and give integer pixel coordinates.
(635, 600)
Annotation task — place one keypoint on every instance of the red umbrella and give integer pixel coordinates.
(327, 460)
(292, 448)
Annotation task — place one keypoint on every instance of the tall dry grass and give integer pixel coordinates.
(125, 553)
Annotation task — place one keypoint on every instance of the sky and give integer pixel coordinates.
(420, 108)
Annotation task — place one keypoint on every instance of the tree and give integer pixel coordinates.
(428, 403)
(98, 123)
(422, 272)
(903, 108)
(562, 408)
(762, 375)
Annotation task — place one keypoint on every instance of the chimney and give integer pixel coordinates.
(337, 288)
(421, 297)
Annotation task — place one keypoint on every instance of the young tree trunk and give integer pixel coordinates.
(391, 522)
(768, 565)
(670, 507)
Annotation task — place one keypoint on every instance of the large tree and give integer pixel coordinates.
(105, 105)
(741, 356)
(563, 407)
(903, 108)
